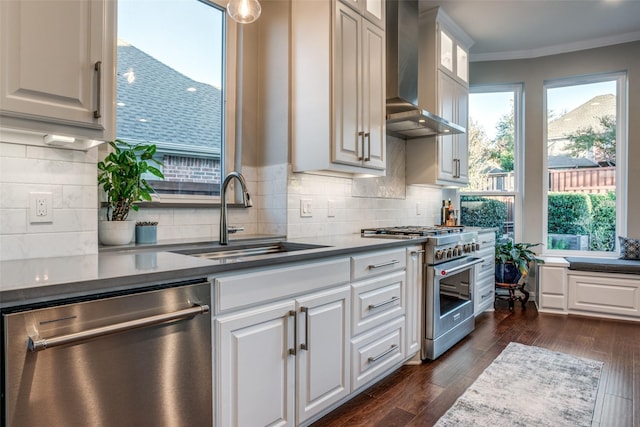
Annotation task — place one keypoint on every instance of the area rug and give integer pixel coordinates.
(529, 386)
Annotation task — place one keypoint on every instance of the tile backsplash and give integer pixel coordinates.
(70, 176)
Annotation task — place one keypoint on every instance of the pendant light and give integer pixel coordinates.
(244, 11)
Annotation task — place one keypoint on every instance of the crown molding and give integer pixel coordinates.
(556, 49)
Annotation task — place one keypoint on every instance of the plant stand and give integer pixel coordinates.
(507, 292)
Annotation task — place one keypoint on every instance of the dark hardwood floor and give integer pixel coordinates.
(417, 395)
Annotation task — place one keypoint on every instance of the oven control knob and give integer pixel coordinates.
(457, 250)
(468, 247)
(477, 246)
(439, 254)
(450, 253)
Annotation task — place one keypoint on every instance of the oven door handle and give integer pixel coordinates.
(452, 270)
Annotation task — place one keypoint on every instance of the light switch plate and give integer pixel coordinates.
(305, 208)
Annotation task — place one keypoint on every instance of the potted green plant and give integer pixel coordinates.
(121, 177)
(513, 259)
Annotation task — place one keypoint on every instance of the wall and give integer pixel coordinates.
(533, 73)
(71, 178)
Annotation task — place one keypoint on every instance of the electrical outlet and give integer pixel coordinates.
(40, 207)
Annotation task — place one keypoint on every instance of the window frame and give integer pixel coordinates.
(621, 79)
(230, 157)
(518, 151)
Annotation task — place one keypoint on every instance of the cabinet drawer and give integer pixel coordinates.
(373, 264)
(486, 251)
(377, 301)
(262, 285)
(485, 268)
(376, 351)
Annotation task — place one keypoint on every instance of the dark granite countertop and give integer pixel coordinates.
(31, 281)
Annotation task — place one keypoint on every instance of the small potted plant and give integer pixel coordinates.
(146, 231)
(120, 175)
(513, 259)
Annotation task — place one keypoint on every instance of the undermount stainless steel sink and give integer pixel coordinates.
(242, 251)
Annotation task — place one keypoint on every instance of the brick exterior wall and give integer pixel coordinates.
(191, 169)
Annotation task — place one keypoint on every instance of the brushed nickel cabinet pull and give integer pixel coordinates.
(382, 304)
(384, 353)
(306, 344)
(384, 264)
(292, 313)
(361, 135)
(368, 136)
(98, 69)
(421, 251)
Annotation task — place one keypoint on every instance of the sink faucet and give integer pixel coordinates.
(246, 200)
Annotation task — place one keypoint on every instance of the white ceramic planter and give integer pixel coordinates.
(116, 232)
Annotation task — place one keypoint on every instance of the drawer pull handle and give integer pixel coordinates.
(381, 304)
(421, 251)
(384, 353)
(361, 134)
(384, 264)
(290, 314)
(305, 345)
(98, 69)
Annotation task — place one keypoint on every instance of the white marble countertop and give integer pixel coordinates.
(32, 281)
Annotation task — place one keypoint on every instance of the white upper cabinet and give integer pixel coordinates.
(373, 10)
(443, 55)
(58, 67)
(453, 57)
(338, 94)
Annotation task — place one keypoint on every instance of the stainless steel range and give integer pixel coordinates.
(448, 284)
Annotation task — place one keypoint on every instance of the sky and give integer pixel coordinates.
(487, 108)
(184, 34)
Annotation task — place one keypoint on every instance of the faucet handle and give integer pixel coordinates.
(235, 229)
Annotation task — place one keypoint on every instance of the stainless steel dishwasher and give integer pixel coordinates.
(141, 359)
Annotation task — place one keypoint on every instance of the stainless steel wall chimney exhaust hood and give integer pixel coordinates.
(405, 118)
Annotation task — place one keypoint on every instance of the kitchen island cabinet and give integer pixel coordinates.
(338, 90)
(58, 67)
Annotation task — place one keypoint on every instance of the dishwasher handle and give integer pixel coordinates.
(37, 344)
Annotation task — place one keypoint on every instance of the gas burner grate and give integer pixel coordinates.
(410, 230)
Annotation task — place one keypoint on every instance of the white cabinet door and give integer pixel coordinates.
(415, 257)
(359, 115)
(373, 95)
(323, 374)
(373, 10)
(348, 134)
(453, 157)
(58, 62)
(255, 369)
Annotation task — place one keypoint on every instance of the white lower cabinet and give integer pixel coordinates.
(280, 364)
(256, 384)
(415, 272)
(322, 376)
(294, 342)
(485, 287)
(377, 351)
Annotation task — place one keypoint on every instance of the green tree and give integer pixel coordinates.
(602, 143)
(503, 150)
(479, 155)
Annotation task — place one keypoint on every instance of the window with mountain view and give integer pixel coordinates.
(492, 197)
(584, 147)
(170, 89)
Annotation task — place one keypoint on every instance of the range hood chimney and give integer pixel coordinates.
(405, 118)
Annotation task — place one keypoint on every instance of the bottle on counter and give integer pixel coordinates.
(450, 215)
(444, 210)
